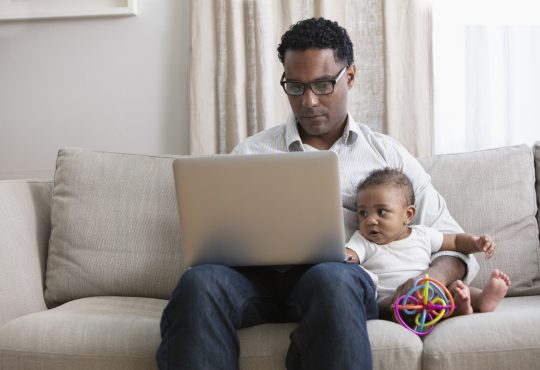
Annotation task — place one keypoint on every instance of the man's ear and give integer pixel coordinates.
(410, 213)
(351, 75)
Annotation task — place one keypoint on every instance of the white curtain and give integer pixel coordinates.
(234, 69)
(486, 76)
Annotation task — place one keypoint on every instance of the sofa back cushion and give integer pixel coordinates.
(114, 227)
(114, 222)
(493, 191)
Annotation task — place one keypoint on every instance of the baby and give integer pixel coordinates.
(395, 251)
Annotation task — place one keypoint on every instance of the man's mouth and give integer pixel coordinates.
(311, 115)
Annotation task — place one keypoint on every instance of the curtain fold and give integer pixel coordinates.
(409, 74)
(235, 72)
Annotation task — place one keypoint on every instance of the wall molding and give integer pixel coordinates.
(46, 9)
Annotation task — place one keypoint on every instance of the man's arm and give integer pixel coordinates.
(445, 269)
(446, 266)
(431, 207)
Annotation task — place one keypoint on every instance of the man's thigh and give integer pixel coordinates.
(336, 282)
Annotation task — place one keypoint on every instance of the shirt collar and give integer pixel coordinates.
(292, 137)
(294, 142)
(352, 130)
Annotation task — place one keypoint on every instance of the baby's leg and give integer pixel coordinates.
(462, 298)
(494, 291)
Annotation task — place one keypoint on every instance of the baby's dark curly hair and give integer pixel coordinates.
(392, 177)
(317, 33)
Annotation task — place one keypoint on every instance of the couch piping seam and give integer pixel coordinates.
(7, 351)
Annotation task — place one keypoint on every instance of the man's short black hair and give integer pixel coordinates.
(392, 177)
(318, 33)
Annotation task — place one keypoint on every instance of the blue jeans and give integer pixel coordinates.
(331, 302)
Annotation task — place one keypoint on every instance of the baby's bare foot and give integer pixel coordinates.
(462, 298)
(494, 291)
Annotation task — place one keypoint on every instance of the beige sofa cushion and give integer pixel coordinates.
(493, 191)
(123, 333)
(114, 227)
(86, 334)
(508, 338)
(537, 166)
(264, 347)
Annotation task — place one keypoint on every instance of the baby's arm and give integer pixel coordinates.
(468, 243)
(356, 248)
(352, 256)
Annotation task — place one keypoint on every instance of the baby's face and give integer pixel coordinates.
(383, 216)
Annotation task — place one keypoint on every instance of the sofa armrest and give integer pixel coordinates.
(24, 234)
(536, 151)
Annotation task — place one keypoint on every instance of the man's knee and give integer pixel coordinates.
(337, 280)
(200, 279)
(328, 274)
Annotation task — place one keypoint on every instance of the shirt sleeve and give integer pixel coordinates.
(430, 205)
(358, 244)
(241, 148)
(435, 238)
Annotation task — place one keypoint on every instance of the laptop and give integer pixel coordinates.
(260, 210)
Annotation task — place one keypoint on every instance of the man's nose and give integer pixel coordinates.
(310, 99)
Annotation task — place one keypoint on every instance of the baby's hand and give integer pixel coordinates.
(485, 244)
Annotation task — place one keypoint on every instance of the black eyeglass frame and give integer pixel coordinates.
(306, 85)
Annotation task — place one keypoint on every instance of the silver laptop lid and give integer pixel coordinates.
(267, 209)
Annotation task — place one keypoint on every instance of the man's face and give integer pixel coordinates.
(320, 116)
(383, 216)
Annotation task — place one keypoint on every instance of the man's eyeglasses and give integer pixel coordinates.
(321, 87)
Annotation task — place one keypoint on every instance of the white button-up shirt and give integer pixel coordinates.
(360, 151)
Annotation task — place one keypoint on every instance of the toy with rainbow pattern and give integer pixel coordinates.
(428, 302)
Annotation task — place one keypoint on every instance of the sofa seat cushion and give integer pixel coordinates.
(394, 347)
(123, 333)
(89, 333)
(264, 347)
(508, 338)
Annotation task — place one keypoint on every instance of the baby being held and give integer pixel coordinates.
(395, 251)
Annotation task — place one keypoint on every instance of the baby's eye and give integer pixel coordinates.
(362, 213)
(381, 212)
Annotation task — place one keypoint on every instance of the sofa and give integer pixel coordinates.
(88, 260)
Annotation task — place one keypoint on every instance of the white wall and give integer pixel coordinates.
(116, 84)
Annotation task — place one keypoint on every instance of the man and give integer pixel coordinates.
(330, 301)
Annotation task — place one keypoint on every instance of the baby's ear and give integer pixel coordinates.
(410, 213)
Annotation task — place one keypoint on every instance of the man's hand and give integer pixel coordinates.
(404, 288)
(386, 309)
(445, 269)
(352, 257)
